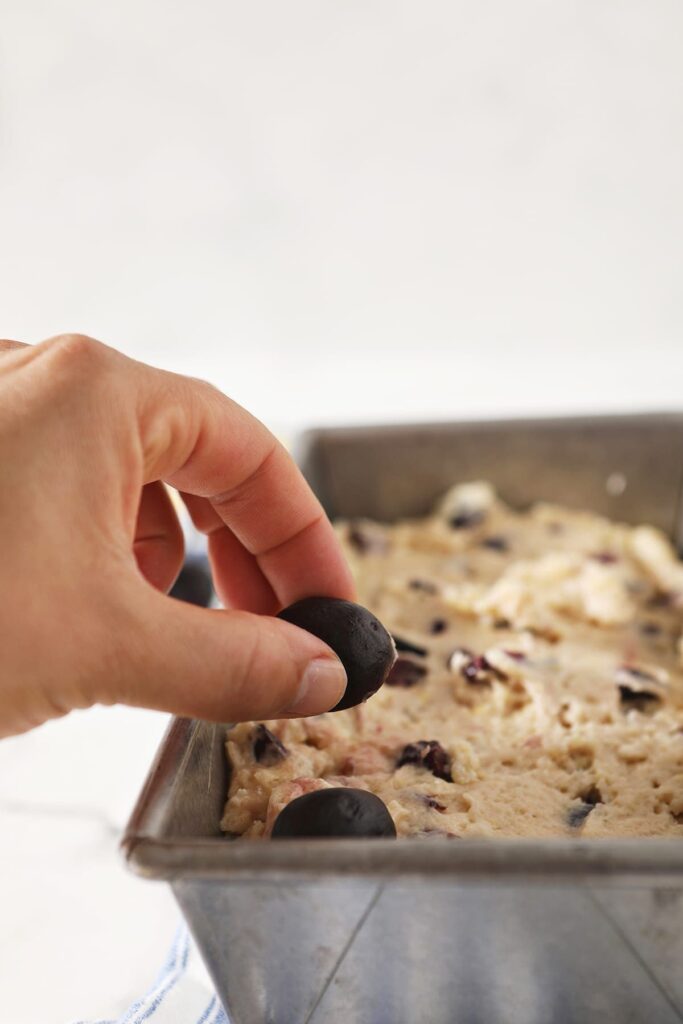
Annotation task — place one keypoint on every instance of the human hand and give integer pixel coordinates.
(90, 542)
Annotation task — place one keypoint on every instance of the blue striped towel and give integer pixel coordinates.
(177, 996)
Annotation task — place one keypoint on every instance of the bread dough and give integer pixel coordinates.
(551, 681)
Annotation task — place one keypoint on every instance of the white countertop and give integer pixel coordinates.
(80, 937)
(337, 213)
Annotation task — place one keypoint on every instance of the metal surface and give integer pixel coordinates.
(629, 468)
(437, 954)
(490, 931)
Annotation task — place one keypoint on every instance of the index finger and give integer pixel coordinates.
(203, 443)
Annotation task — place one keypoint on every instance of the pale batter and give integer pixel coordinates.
(543, 696)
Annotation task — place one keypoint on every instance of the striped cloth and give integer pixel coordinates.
(181, 993)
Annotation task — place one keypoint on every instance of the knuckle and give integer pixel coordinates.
(242, 492)
(78, 354)
(77, 345)
(207, 388)
(83, 371)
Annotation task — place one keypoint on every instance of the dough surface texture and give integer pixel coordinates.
(543, 696)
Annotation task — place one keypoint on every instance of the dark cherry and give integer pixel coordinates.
(638, 700)
(636, 696)
(499, 544)
(366, 540)
(360, 641)
(338, 812)
(267, 748)
(405, 647)
(605, 557)
(592, 796)
(430, 801)
(427, 754)
(405, 673)
(516, 655)
(465, 518)
(425, 586)
(480, 670)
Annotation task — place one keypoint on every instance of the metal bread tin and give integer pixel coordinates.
(429, 931)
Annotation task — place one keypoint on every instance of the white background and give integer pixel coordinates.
(350, 211)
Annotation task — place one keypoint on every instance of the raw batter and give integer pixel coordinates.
(542, 696)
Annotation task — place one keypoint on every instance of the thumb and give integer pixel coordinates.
(227, 666)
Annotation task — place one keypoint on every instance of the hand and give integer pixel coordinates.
(89, 543)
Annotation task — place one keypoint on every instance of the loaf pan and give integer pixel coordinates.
(515, 931)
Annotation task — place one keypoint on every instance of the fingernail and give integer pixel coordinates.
(321, 687)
